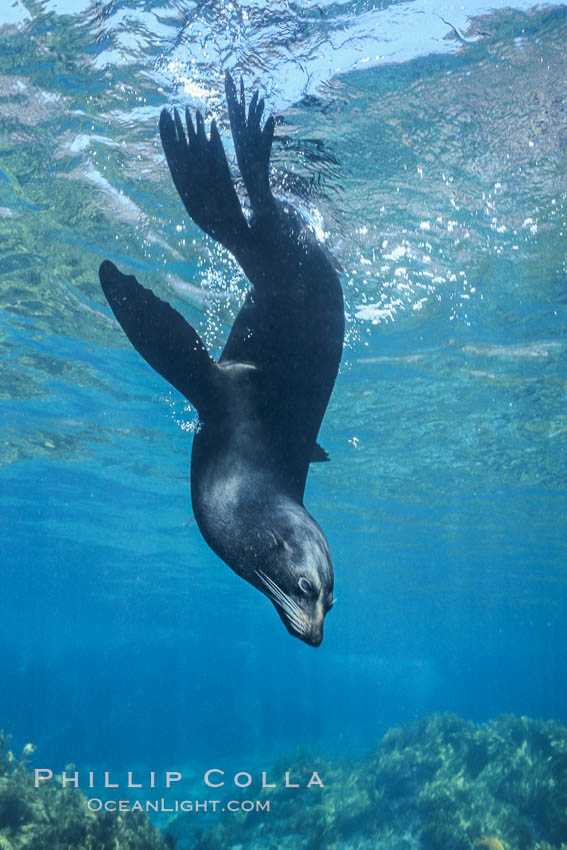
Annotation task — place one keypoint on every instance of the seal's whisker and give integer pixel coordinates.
(279, 597)
(278, 590)
(294, 616)
(299, 626)
(290, 608)
(279, 594)
(286, 601)
(272, 586)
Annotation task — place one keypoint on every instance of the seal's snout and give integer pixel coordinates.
(309, 633)
(315, 638)
(314, 635)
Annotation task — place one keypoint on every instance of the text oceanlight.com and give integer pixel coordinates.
(95, 804)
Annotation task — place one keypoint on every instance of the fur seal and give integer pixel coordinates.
(261, 405)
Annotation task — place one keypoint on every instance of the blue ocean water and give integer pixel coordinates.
(427, 143)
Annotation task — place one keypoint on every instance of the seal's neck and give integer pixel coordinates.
(238, 518)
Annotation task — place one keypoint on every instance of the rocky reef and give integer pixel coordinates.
(55, 818)
(441, 783)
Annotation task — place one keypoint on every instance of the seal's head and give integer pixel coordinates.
(296, 573)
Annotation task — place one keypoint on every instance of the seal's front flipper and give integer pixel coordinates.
(252, 144)
(201, 175)
(162, 336)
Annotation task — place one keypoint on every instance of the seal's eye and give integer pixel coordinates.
(305, 585)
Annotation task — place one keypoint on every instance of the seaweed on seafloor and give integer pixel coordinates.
(440, 783)
(55, 818)
(506, 778)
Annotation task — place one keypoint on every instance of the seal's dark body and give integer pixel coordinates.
(261, 406)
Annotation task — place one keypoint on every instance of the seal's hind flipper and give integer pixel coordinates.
(319, 454)
(252, 144)
(201, 175)
(162, 336)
